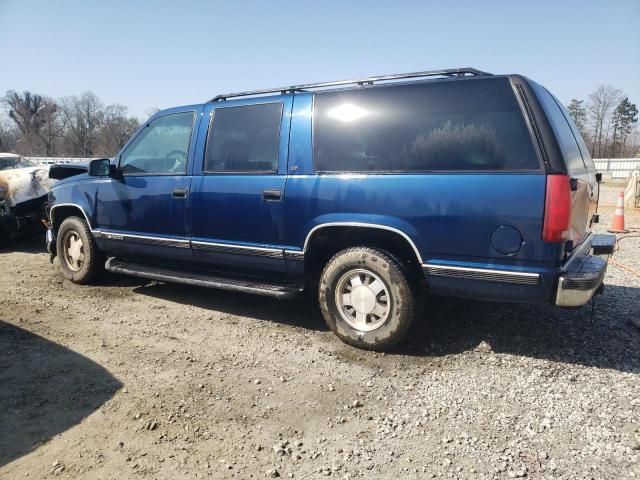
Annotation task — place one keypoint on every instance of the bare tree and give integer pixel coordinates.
(600, 106)
(52, 128)
(83, 117)
(150, 112)
(116, 129)
(76, 126)
(24, 110)
(30, 112)
(9, 135)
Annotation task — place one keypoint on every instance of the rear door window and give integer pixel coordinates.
(566, 139)
(458, 125)
(244, 139)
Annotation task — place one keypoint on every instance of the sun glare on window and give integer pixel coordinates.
(347, 112)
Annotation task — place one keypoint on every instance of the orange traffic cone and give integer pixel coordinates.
(617, 226)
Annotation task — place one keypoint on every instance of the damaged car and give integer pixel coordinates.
(23, 194)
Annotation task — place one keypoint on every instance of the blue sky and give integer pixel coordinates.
(167, 53)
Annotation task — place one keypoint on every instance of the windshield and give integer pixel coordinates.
(7, 163)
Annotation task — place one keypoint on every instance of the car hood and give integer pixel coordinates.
(22, 184)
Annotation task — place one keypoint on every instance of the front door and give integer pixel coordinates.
(238, 187)
(143, 212)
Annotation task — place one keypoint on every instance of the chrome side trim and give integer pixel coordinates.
(146, 239)
(482, 270)
(176, 242)
(295, 255)
(238, 249)
(196, 244)
(246, 247)
(366, 225)
(52, 209)
(487, 274)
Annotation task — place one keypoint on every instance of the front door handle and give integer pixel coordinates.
(272, 194)
(179, 192)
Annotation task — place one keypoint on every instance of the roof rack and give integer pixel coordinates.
(452, 72)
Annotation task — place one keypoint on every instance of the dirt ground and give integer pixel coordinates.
(138, 379)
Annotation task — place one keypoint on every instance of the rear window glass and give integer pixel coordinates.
(439, 126)
(561, 129)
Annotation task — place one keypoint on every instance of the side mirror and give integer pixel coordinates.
(100, 167)
(598, 177)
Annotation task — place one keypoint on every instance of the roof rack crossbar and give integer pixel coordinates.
(452, 72)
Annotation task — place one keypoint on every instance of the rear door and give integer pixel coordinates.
(237, 203)
(584, 184)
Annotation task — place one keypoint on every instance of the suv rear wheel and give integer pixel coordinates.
(80, 260)
(366, 298)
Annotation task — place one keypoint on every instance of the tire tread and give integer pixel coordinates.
(410, 304)
(95, 263)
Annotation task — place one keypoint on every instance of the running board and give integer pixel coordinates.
(167, 274)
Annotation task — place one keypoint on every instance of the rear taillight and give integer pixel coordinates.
(557, 209)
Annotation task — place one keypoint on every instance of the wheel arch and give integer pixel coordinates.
(325, 240)
(58, 213)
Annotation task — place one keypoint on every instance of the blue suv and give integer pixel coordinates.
(371, 192)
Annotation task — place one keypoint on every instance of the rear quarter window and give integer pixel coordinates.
(460, 125)
(584, 150)
(562, 129)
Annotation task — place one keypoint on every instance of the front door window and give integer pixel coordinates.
(161, 148)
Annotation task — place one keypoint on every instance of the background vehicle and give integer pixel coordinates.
(373, 191)
(23, 192)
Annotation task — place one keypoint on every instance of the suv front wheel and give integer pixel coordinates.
(366, 298)
(80, 260)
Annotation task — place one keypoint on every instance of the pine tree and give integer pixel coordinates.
(579, 114)
(624, 117)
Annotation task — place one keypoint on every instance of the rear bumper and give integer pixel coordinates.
(570, 285)
(577, 286)
(582, 275)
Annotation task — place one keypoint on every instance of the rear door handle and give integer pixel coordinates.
(272, 194)
(179, 192)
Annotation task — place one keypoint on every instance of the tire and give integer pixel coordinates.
(80, 262)
(354, 307)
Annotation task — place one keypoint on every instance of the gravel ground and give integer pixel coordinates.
(136, 379)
